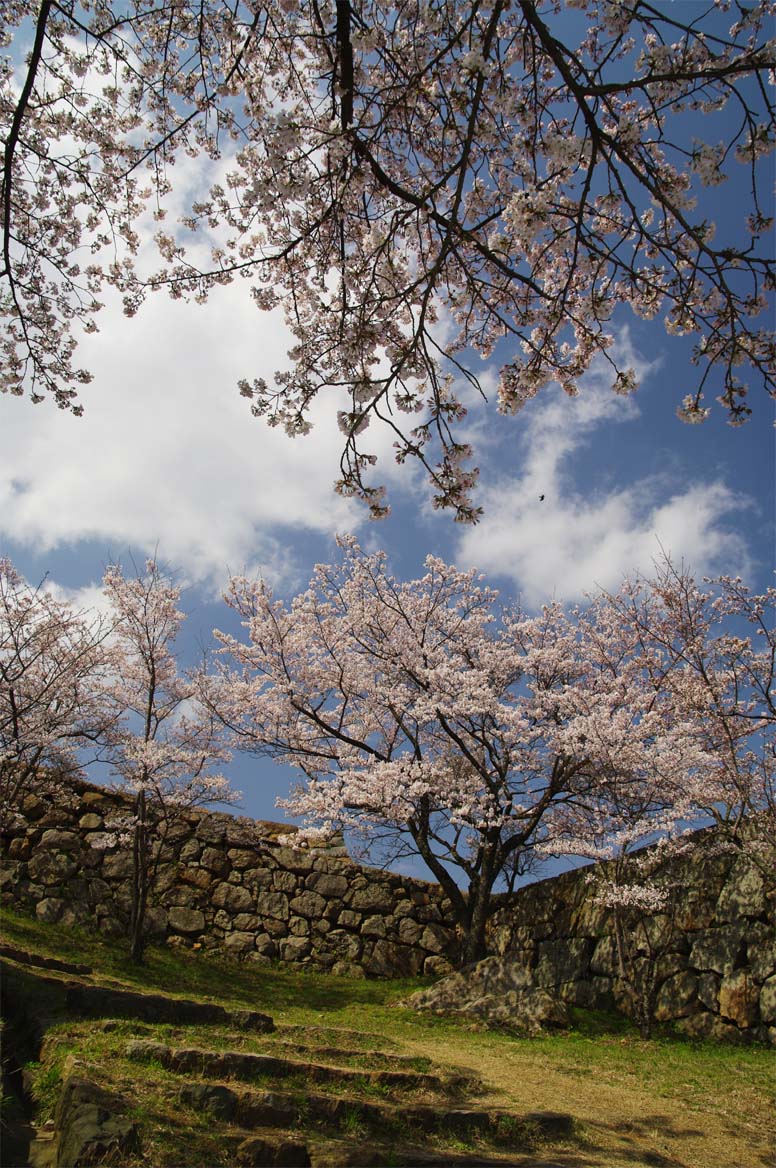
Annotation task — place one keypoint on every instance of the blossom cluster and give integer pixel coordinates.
(467, 156)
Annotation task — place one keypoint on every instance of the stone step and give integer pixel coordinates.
(336, 1053)
(343, 1154)
(90, 999)
(333, 1034)
(248, 1065)
(258, 1109)
(24, 957)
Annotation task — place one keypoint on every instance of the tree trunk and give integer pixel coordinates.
(473, 942)
(139, 881)
(478, 905)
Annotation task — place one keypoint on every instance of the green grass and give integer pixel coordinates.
(686, 1101)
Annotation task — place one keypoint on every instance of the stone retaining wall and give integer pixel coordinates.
(716, 969)
(226, 882)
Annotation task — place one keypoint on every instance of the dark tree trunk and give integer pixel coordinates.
(479, 903)
(137, 938)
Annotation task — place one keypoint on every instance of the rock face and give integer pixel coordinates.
(716, 973)
(497, 992)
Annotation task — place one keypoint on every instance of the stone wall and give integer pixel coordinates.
(716, 969)
(225, 882)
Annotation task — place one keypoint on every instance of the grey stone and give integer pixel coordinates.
(117, 866)
(768, 1000)
(285, 881)
(155, 921)
(436, 940)
(20, 848)
(488, 995)
(437, 967)
(299, 927)
(91, 1126)
(233, 897)
(254, 878)
(347, 969)
(308, 904)
(247, 922)
(242, 858)
(294, 948)
(210, 830)
(708, 991)
(705, 1025)
(293, 859)
(237, 942)
(185, 920)
(374, 927)
(214, 860)
(258, 1152)
(761, 950)
(327, 885)
(373, 898)
(90, 822)
(191, 851)
(50, 909)
(100, 841)
(677, 997)
(266, 946)
(97, 799)
(345, 946)
(275, 927)
(565, 959)
(391, 960)
(212, 1098)
(738, 998)
(743, 894)
(34, 808)
(604, 959)
(52, 867)
(717, 950)
(196, 877)
(272, 904)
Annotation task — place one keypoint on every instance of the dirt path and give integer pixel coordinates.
(624, 1124)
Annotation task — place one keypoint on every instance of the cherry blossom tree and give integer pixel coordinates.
(719, 643)
(419, 711)
(516, 168)
(50, 660)
(163, 745)
(711, 651)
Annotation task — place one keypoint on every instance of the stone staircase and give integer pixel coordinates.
(285, 1096)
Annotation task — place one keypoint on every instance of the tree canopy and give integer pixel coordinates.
(413, 184)
(424, 717)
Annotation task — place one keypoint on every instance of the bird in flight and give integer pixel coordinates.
(541, 498)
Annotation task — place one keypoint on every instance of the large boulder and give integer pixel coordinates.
(91, 1126)
(497, 992)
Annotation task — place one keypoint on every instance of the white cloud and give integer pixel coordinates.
(570, 542)
(167, 452)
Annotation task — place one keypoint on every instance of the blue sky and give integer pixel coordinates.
(168, 457)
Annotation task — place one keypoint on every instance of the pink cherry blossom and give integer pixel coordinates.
(51, 659)
(388, 165)
(428, 720)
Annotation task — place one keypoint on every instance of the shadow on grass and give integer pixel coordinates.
(206, 975)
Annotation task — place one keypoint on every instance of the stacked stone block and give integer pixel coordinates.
(226, 882)
(716, 973)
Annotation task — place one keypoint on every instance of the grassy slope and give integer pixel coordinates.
(670, 1101)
